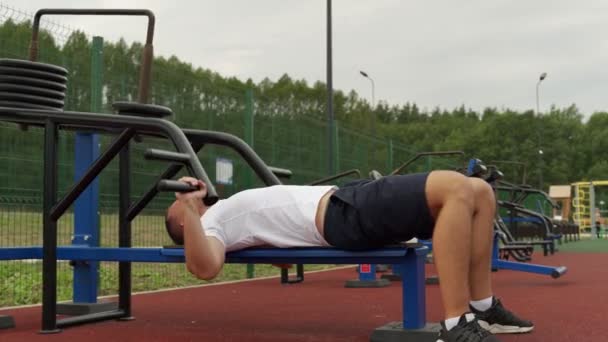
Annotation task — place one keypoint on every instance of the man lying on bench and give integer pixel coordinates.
(456, 211)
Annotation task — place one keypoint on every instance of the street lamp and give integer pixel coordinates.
(364, 74)
(540, 133)
(540, 79)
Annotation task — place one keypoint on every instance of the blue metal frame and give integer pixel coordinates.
(500, 264)
(86, 219)
(409, 262)
(413, 291)
(367, 272)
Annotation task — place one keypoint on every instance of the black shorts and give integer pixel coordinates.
(374, 213)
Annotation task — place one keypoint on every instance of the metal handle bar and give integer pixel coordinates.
(422, 154)
(147, 55)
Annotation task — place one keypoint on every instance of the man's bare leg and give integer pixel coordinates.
(480, 278)
(450, 196)
(491, 314)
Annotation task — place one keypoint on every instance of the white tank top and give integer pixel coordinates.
(280, 216)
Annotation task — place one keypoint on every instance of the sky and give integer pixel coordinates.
(476, 53)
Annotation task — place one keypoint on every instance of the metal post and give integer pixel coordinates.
(373, 109)
(540, 174)
(390, 155)
(537, 101)
(336, 135)
(124, 229)
(273, 151)
(592, 211)
(249, 131)
(414, 301)
(330, 94)
(86, 208)
(49, 235)
(367, 272)
(540, 133)
(249, 139)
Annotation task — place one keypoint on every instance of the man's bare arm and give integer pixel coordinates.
(204, 255)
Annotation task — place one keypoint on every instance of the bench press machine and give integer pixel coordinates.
(409, 259)
(137, 120)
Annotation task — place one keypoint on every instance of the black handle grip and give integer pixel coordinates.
(175, 186)
(280, 172)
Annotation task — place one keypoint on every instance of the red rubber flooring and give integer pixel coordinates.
(573, 308)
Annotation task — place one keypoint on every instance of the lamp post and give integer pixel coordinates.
(540, 174)
(540, 133)
(330, 95)
(364, 74)
(601, 213)
(540, 79)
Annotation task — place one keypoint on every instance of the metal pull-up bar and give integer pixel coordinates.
(148, 52)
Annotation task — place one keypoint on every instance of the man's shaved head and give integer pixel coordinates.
(174, 220)
(174, 224)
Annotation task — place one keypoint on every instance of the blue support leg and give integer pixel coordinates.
(86, 233)
(86, 219)
(554, 272)
(499, 264)
(414, 326)
(414, 299)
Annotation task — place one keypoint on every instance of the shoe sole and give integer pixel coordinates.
(504, 329)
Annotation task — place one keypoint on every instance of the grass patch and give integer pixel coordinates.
(585, 245)
(21, 280)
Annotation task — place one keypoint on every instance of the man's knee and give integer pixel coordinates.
(483, 193)
(449, 186)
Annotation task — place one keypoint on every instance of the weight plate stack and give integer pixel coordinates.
(25, 84)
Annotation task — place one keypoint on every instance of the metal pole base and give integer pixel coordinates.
(48, 332)
(432, 280)
(6, 322)
(77, 309)
(391, 277)
(394, 332)
(356, 283)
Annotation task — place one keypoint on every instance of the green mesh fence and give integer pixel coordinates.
(286, 133)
